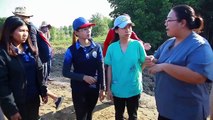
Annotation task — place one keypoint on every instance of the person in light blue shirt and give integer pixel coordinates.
(125, 58)
(183, 67)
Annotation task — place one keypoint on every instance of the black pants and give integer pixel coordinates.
(132, 104)
(47, 68)
(105, 70)
(84, 103)
(49, 65)
(29, 110)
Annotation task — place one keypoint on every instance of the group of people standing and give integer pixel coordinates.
(23, 76)
(181, 65)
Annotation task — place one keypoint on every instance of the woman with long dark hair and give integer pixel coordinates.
(21, 73)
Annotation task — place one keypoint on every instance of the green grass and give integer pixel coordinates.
(64, 44)
(61, 44)
(100, 39)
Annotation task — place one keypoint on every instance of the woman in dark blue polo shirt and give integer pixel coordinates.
(87, 76)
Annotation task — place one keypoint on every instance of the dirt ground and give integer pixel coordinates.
(103, 111)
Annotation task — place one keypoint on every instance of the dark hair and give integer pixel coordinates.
(10, 25)
(74, 38)
(116, 36)
(187, 12)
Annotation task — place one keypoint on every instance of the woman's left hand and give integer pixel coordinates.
(155, 68)
(101, 95)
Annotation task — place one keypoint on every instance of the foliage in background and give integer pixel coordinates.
(65, 33)
(61, 38)
(149, 17)
(62, 45)
(2, 21)
(1, 24)
(62, 33)
(206, 10)
(101, 27)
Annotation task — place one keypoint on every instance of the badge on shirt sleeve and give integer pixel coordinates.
(94, 54)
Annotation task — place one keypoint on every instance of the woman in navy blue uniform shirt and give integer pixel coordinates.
(87, 76)
(21, 73)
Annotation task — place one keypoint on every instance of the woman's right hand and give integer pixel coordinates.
(150, 61)
(16, 116)
(147, 46)
(89, 79)
(101, 95)
(109, 95)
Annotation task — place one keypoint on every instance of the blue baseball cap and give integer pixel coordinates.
(122, 21)
(81, 23)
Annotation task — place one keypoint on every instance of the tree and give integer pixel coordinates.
(62, 33)
(70, 31)
(101, 27)
(149, 17)
(2, 21)
(206, 10)
(53, 32)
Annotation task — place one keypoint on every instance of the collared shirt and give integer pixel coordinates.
(178, 100)
(126, 68)
(86, 60)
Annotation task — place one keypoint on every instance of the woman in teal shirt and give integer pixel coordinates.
(125, 58)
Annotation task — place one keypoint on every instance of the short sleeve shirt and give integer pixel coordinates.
(126, 68)
(176, 99)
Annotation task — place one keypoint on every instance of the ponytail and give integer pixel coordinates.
(74, 38)
(198, 25)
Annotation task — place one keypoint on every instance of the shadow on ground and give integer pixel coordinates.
(68, 111)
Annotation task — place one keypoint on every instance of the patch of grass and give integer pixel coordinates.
(61, 44)
(100, 39)
(64, 44)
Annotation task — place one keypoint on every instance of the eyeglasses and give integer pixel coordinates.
(170, 20)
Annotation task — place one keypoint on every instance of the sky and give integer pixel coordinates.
(57, 12)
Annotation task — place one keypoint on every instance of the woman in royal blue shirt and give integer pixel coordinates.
(87, 75)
